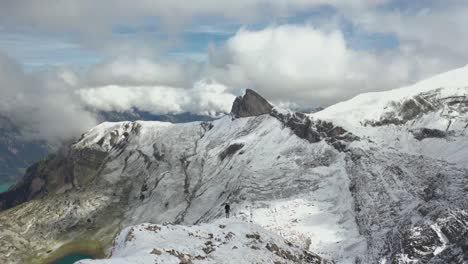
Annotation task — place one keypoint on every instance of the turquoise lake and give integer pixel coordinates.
(72, 258)
(4, 187)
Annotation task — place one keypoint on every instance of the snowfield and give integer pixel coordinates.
(391, 118)
(372, 106)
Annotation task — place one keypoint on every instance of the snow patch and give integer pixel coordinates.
(442, 239)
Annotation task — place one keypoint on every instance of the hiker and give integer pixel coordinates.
(227, 208)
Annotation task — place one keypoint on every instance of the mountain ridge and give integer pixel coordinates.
(343, 190)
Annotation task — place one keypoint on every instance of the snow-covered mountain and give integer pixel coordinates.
(381, 178)
(428, 118)
(18, 152)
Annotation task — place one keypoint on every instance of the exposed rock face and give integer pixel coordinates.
(56, 174)
(316, 130)
(17, 152)
(399, 113)
(231, 150)
(68, 168)
(251, 104)
(423, 133)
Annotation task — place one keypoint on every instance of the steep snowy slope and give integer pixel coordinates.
(220, 242)
(400, 131)
(373, 106)
(428, 118)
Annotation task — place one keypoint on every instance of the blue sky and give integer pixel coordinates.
(80, 36)
(39, 51)
(47, 48)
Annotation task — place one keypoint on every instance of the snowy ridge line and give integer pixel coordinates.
(223, 241)
(370, 106)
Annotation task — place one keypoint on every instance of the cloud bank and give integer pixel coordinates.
(207, 98)
(289, 64)
(304, 64)
(89, 16)
(311, 67)
(43, 106)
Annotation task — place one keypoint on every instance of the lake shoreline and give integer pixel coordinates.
(5, 186)
(72, 258)
(90, 248)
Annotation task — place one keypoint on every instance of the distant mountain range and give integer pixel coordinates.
(135, 115)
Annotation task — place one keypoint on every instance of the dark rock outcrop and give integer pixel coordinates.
(399, 113)
(58, 173)
(231, 150)
(251, 104)
(316, 130)
(423, 133)
(422, 242)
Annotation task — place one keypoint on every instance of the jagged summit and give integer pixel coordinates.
(251, 104)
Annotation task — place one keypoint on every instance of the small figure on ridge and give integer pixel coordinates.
(227, 209)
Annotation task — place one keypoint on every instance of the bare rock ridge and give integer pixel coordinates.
(251, 104)
(60, 172)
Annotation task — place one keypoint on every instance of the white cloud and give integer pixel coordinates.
(142, 72)
(43, 106)
(296, 65)
(436, 32)
(289, 64)
(204, 97)
(299, 63)
(97, 16)
(441, 27)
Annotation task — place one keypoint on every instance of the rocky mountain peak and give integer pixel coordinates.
(251, 104)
